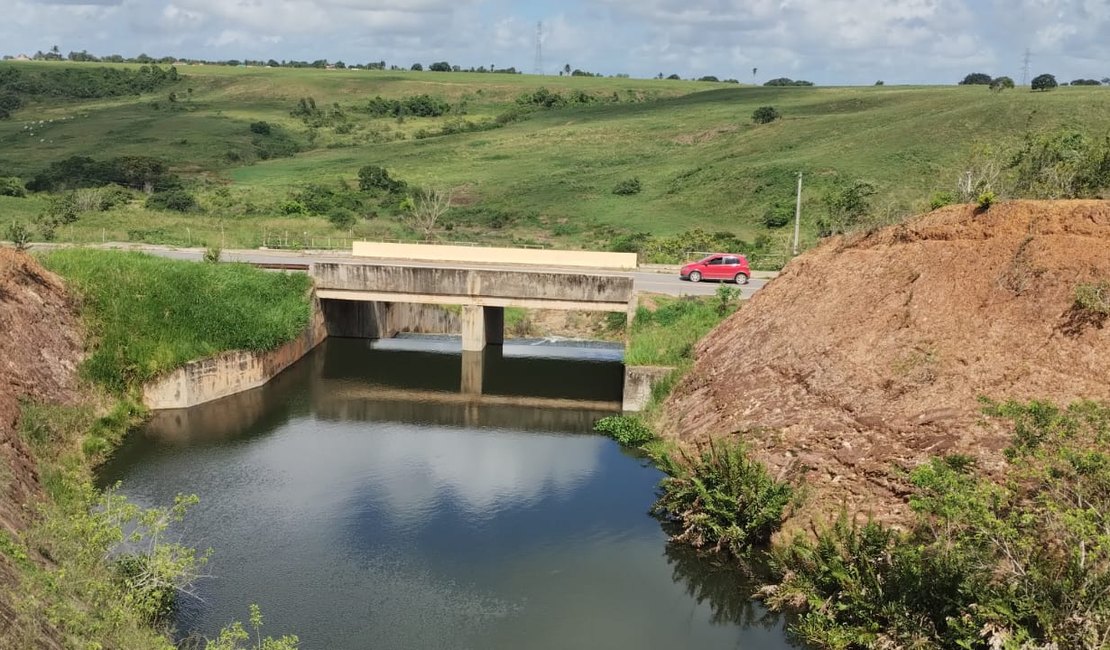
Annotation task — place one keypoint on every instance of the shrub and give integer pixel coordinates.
(1093, 298)
(786, 81)
(985, 200)
(722, 498)
(765, 115)
(846, 207)
(212, 254)
(18, 235)
(941, 199)
(777, 217)
(727, 299)
(627, 430)
(373, 178)
(260, 127)
(235, 637)
(627, 187)
(999, 84)
(175, 200)
(341, 218)
(12, 186)
(1060, 165)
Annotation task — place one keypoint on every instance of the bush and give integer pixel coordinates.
(1044, 82)
(342, 218)
(1001, 83)
(260, 127)
(373, 178)
(175, 200)
(1060, 165)
(985, 200)
(777, 217)
(1093, 298)
(765, 115)
(786, 81)
(629, 431)
(941, 199)
(12, 186)
(322, 199)
(212, 254)
(18, 235)
(627, 187)
(846, 207)
(722, 499)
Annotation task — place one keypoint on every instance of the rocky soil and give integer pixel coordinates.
(870, 353)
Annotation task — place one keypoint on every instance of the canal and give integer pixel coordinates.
(363, 502)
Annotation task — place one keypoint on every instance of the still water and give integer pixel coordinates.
(387, 497)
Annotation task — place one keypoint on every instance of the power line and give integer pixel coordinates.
(537, 66)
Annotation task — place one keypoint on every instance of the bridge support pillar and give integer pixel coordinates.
(472, 366)
(482, 326)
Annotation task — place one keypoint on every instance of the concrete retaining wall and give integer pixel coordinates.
(638, 382)
(231, 372)
(483, 255)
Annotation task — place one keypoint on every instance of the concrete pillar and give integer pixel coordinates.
(472, 362)
(473, 328)
(495, 325)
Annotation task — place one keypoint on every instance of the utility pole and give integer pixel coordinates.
(798, 215)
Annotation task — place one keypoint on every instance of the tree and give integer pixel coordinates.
(998, 84)
(765, 115)
(440, 66)
(880, 82)
(372, 178)
(416, 67)
(1044, 82)
(976, 79)
(566, 68)
(708, 77)
(424, 209)
(1106, 81)
(1086, 82)
(674, 77)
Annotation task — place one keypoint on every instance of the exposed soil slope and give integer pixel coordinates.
(869, 353)
(41, 343)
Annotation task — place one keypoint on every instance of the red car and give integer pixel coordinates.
(718, 266)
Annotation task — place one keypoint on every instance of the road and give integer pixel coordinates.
(643, 281)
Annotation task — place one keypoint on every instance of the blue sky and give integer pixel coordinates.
(827, 41)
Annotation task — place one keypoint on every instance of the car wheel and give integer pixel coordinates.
(695, 276)
(741, 278)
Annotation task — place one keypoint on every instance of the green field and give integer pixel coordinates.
(546, 179)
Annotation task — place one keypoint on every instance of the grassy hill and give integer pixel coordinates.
(544, 177)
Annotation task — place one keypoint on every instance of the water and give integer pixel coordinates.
(364, 502)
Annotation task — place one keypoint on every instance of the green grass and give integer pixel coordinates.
(666, 335)
(701, 161)
(148, 315)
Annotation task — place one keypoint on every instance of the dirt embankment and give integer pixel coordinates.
(869, 354)
(41, 344)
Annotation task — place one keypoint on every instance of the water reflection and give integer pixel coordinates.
(363, 500)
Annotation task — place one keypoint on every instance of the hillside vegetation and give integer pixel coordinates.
(272, 155)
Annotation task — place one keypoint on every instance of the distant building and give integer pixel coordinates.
(22, 57)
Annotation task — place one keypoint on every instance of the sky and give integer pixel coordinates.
(830, 42)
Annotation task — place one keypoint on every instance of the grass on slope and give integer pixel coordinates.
(665, 335)
(547, 179)
(149, 315)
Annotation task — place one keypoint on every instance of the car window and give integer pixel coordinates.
(715, 260)
(732, 261)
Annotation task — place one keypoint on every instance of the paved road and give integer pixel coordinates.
(643, 281)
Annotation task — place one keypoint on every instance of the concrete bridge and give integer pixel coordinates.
(352, 295)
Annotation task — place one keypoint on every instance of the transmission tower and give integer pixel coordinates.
(1025, 67)
(537, 66)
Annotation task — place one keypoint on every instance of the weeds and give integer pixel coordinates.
(722, 499)
(1019, 563)
(627, 430)
(666, 336)
(1093, 298)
